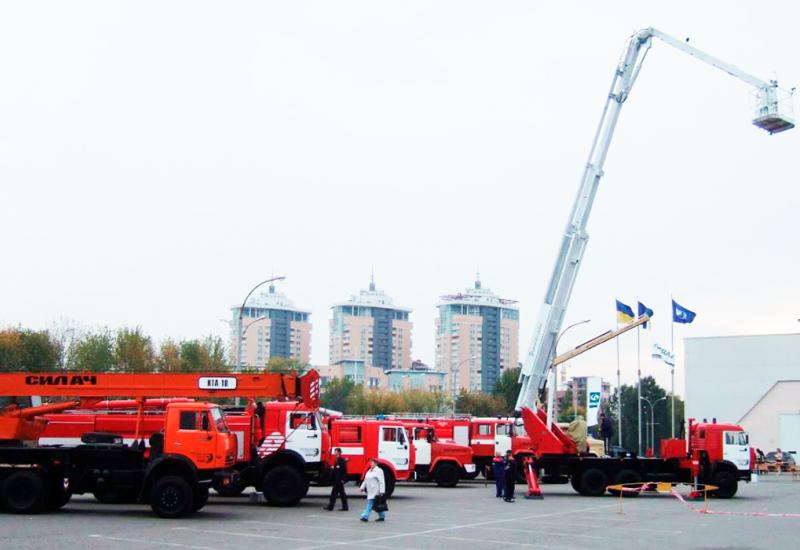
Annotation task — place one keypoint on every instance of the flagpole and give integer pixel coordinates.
(674, 362)
(639, 402)
(619, 393)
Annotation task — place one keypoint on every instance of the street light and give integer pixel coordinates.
(550, 393)
(652, 419)
(453, 379)
(241, 313)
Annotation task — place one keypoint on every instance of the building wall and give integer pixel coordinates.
(726, 376)
(375, 378)
(476, 324)
(763, 421)
(370, 328)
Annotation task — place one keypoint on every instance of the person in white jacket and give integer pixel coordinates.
(374, 485)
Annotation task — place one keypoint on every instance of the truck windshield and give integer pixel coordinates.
(219, 420)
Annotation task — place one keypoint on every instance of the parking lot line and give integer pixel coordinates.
(238, 534)
(156, 543)
(479, 524)
(323, 527)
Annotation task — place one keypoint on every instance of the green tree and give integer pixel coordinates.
(336, 392)
(92, 352)
(507, 388)
(285, 365)
(203, 355)
(28, 350)
(133, 351)
(630, 419)
(169, 356)
(479, 404)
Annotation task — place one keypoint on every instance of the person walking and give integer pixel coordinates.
(606, 431)
(509, 476)
(498, 466)
(374, 485)
(339, 478)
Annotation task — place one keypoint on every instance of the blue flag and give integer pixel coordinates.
(644, 310)
(680, 314)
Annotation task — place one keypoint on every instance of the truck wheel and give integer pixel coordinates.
(58, 499)
(446, 475)
(575, 481)
(388, 477)
(23, 493)
(284, 485)
(172, 497)
(199, 502)
(727, 484)
(231, 489)
(593, 483)
(624, 477)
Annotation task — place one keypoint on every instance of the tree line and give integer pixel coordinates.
(127, 349)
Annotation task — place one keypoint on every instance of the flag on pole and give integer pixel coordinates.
(624, 313)
(680, 314)
(663, 355)
(644, 310)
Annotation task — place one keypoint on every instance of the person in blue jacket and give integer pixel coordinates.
(498, 467)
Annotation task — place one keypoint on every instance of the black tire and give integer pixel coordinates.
(234, 489)
(624, 477)
(727, 484)
(388, 477)
(23, 493)
(58, 498)
(575, 481)
(446, 474)
(469, 475)
(115, 496)
(284, 485)
(199, 502)
(171, 497)
(593, 483)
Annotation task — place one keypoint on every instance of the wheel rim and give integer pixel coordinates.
(170, 498)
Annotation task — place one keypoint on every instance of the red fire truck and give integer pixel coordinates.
(386, 440)
(442, 461)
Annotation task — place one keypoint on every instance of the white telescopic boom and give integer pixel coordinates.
(537, 361)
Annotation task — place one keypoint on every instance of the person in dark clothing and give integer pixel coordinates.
(498, 466)
(606, 431)
(339, 477)
(510, 476)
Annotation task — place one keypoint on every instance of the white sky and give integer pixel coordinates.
(157, 160)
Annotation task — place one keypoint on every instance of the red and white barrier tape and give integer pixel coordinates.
(677, 495)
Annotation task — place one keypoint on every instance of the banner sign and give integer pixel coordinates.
(594, 392)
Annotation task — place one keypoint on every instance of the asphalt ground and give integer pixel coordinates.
(422, 517)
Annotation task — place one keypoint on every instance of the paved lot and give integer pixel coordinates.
(425, 517)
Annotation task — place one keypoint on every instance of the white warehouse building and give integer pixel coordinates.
(753, 381)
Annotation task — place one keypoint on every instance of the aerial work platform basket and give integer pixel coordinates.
(772, 109)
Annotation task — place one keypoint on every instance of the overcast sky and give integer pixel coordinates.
(159, 159)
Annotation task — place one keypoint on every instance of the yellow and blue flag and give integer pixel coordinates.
(644, 310)
(624, 313)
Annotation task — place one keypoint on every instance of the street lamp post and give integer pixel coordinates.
(453, 379)
(239, 326)
(652, 419)
(550, 383)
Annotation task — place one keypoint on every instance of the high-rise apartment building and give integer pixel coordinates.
(271, 327)
(370, 328)
(477, 336)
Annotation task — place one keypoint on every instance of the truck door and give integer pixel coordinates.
(422, 446)
(483, 439)
(736, 449)
(194, 438)
(393, 446)
(303, 435)
(502, 438)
